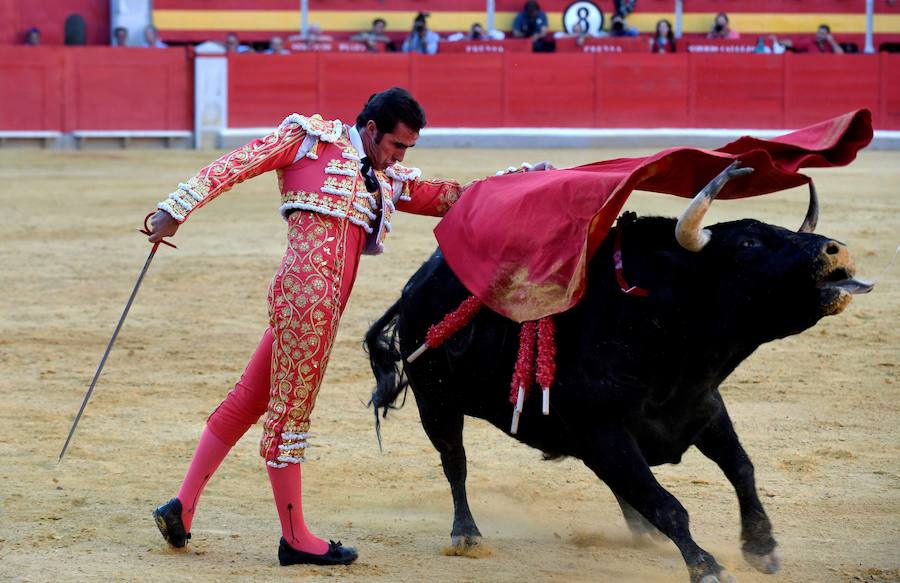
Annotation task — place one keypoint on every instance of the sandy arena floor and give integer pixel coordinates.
(818, 412)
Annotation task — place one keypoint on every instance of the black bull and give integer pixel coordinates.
(637, 378)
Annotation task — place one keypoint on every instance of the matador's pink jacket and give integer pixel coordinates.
(319, 171)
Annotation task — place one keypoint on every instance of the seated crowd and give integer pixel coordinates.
(530, 23)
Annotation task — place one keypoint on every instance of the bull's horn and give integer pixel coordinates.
(812, 213)
(688, 231)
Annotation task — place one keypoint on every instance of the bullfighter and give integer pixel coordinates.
(339, 186)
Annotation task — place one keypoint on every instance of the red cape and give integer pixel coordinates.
(521, 243)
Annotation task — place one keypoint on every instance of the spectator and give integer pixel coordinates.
(421, 39)
(619, 28)
(579, 33)
(376, 35)
(33, 37)
(624, 7)
(233, 44)
(308, 40)
(721, 28)
(314, 35)
(151, 38)
(120, 37)
(532, 23)
(777, 48)
(664, 39)
(823, 43)
(276, 47)
(477, 32)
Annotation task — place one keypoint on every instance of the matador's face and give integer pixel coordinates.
(384, 149)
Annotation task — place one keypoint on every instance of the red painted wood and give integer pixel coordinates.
(821, 86)
(347, 81)
(31, 88)
(642, 90)
(97, 88)
(264, 89)
(549, 90)
(129, 89)
(604, 45)
(509, 45)
(736, 91)
(889, 116)
(474, 82)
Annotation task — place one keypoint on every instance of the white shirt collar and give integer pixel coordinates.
(356, 140)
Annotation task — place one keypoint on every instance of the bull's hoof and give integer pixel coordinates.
(721, 577)
(768, 563)
(469, 546)
(465, 541)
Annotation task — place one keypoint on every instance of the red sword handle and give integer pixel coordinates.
(146, 231)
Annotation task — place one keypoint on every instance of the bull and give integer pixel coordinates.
(637, 377)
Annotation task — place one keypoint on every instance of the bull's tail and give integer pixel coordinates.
(383, 346)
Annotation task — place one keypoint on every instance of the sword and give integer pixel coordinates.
(137, 285)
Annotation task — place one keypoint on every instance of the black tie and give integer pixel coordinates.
(371, 182)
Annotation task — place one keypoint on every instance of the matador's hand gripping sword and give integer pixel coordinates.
(137, 285)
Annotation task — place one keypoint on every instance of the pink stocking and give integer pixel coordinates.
(209, 454)
(286, 488)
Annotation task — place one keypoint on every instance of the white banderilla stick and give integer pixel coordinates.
(517, 410)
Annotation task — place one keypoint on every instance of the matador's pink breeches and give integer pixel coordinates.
(306, 299)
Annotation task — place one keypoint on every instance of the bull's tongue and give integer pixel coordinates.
(854, 285)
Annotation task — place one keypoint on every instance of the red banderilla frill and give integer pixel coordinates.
(450, 325)
(522, 375)
(542, 334)
(539, 333)
(546, 359)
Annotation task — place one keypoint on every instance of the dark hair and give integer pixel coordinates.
(391, 107)
(826, 27)
(377, 20)
(670, 36)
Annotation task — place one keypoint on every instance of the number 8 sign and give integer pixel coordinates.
(583, 16)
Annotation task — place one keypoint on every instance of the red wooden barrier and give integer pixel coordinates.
(604, 45)
(95, 88)
(347, 80)
(736, 91)
(574, 90)
(642, 90)
(339, 46)
(821, 86)
(31, 88)
(129, 89)
(890, 91)
(509, 45)
(742, 45)
(549, 90)
(475, 83)
(263, 89)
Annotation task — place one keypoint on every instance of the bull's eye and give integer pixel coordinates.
(749, 243)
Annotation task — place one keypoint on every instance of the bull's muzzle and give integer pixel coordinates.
(838, 270)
